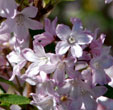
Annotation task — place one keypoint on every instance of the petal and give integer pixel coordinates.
(7, 8)
(54, 22)
(76, 51)
(33, 24)
(14, 58)
(99, 91)
(15, 107)
(30, 11)
(5, 26)
(21, 30)
(17, 68)
(50, 27)
(29, 55)
(100, 77)
(59, 75)
(62, 47)
(76, 104)
(90, 104)
(47, 25)
(63, 31)
(77, 25)
(5, 37)
(48, 68)
(106, 61)
(32, 70)
(39, 50)
(43, 39)
(83, 38)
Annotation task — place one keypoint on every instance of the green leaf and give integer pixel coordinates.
(2, 90)
(13, 99)
(7, 82)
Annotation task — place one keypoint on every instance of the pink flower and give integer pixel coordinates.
(96, 45)
(98, 64)
(59, 66)
(17, 61)
(21, 22)
(49, 35)
(72, 39)
(37, 57)
(44, 98)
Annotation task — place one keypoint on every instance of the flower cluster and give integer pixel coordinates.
(66, 64)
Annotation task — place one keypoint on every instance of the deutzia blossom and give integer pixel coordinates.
(44, 98)
(72, 38)
(98, 64)
(21, 22)
(59, 66)
(49, 35)
(17, 61)
(37, 58)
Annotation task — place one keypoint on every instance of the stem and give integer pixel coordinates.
(19, 85)
(29, 89)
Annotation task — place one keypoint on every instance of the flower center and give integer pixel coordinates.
(43, 60)
(71, 40)
(97, 65)
(64, 98)
(83, 92)
(20, 19)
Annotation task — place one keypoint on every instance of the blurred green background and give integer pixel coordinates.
(93, 13)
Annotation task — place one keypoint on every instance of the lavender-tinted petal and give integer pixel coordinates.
(100, 77)
(7, 8)
(63, 31)
(62, 47)
(77, 25)
(30, 11)
(21, 30)
(59, 76)
(90, 103)
(33, 24)
(76, 104)
(43, 39)
(48, 68)
(29, 55)
(83, 38)
(106, 61)
(32, 70)
(76, 51)
(99, 91)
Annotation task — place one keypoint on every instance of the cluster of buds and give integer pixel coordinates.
(67, 65)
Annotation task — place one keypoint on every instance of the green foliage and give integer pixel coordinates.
(25, 2)
(8, 99)
(2, 90)
(109, 93)
(8, 82)
(47, 1)
(54, 2)
(28, 107)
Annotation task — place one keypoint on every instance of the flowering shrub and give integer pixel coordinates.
(61, 68)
